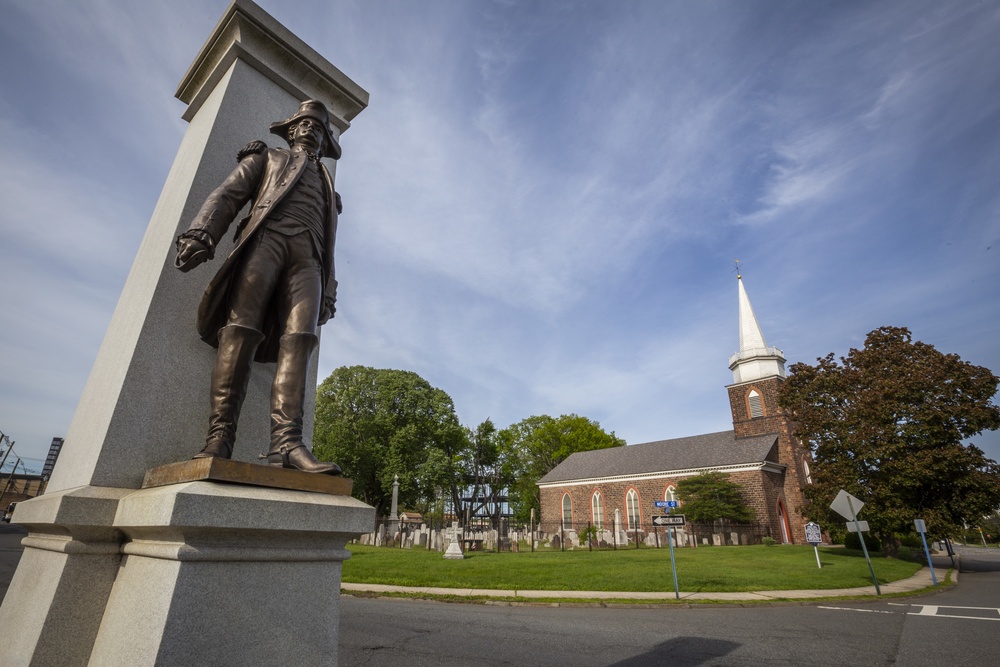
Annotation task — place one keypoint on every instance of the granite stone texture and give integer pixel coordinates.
(220, 574)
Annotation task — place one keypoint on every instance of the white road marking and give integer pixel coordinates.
(868, 611)
(937, 611)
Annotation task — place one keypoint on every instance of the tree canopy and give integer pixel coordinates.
(711, 496)
(887, 424)
(540, 443)
(379, 423)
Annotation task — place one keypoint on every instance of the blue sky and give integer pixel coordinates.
(543, 201)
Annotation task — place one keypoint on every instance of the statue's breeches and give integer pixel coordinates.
(278, 272)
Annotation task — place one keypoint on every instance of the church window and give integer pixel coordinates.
(756, 404)
(597, 508)
(805, 467)
(670, 493)
(567, 511)
(632, 509)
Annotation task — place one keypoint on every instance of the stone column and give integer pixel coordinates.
(145, 403)
(393, 527)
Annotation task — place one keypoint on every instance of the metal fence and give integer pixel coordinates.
(556, 536)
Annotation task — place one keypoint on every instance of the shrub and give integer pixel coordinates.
(587, 534)
(851, 541)
(768, 541)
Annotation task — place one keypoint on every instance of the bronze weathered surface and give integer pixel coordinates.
(216, 469)
(276, 287)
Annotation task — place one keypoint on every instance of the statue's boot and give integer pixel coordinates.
(230, 377)
(288, 394)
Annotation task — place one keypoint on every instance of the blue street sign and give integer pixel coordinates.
(660, 503)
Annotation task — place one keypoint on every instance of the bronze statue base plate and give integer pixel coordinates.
(237, 472)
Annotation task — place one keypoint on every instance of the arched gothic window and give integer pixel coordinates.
(632, 509)
(567, 511)
(597, 509)
(756, 404)
(670, 493)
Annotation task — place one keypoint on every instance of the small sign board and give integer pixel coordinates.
(844, 503)
(675, 520)
(920, 525)
(661, 503)
(852, 528)
(814, 534)
(673, 503)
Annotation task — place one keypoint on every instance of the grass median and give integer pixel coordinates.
(702, 570)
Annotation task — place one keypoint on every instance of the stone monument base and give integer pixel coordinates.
(225, 574)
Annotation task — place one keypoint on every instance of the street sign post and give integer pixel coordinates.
(848, 507)
(670, 521)
(854, 527)
(814, 536)
(922, 528)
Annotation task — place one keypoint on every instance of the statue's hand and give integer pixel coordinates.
(193, 250)
(328, 311)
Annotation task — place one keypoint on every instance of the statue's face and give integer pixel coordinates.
(308, 133)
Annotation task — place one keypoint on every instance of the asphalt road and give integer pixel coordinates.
(956, 627)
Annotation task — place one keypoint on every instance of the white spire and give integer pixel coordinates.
(755, 360)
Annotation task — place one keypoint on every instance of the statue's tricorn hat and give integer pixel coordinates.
(317, 111)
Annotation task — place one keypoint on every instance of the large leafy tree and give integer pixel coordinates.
(887, 423)
(711, 496)
(379, 423)
(538, 444)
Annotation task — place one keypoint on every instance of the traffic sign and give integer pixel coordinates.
(920, 525)
(814, 534)
(852, 528)
(665, 503)
(674, 520)
(846, 505)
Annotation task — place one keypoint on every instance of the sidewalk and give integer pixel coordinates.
(10, 554)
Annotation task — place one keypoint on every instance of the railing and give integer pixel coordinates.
(555, 536)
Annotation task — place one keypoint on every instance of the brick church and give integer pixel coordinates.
(759, 453)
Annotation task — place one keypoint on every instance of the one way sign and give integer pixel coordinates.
(675, 520)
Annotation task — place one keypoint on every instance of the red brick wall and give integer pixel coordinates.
(791, 453)
(760, 491)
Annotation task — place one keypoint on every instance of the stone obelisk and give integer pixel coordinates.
(115, 575)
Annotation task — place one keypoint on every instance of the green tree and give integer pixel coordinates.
(887, 425)
(711, 497)
(538, 444)
(378, 423)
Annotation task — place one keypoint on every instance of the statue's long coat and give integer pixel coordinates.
(263, 178)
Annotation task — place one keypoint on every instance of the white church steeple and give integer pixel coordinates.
(755, 360)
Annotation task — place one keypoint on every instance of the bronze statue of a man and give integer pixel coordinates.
(276, 287)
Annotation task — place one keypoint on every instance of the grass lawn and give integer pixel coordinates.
(706, 569)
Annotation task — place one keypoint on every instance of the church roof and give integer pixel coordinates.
(700, 451)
